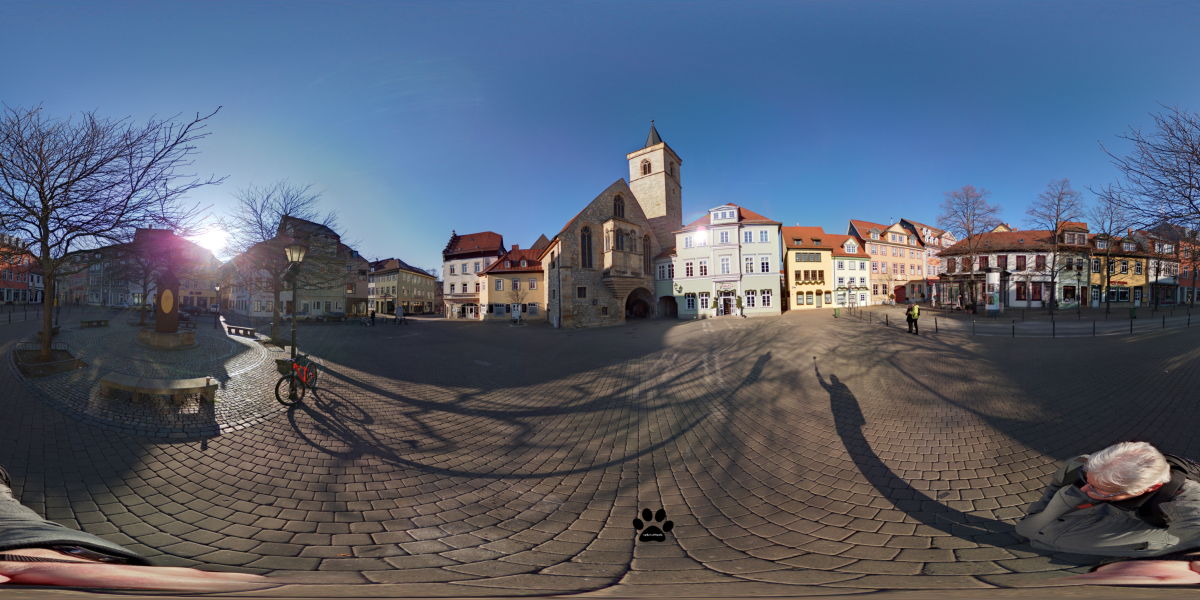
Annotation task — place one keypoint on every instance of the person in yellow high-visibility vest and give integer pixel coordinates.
(912, 314)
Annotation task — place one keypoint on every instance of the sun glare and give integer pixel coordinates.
(213, 239)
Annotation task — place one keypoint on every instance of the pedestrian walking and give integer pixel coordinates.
(372, 318)
(400, 315)
(912, 315)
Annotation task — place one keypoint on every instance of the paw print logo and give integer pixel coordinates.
(651, 532)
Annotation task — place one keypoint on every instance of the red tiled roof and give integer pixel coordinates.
(529, 255)
(745, 216)
(665, 253)
(1072, 226)
(829, 241)
(1005, 241)
(803, 237)
(475, 242)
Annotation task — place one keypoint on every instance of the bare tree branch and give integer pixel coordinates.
(1053, 207)
(966, 213)
(71, 185)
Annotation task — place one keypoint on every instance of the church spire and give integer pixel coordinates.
(653, 138)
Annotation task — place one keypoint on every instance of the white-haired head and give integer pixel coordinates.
(1129, 466)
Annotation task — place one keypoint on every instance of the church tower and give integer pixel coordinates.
(654, 179)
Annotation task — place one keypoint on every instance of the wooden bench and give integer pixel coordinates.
(242, 331)
(205, 386)
(94, 323)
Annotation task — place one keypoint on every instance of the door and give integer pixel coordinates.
(899, 292)
(726, 305)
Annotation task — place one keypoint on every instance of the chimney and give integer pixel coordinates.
(516, 247)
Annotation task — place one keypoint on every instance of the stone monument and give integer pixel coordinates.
(166, 334)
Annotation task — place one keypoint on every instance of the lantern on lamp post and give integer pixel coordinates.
(295, 252)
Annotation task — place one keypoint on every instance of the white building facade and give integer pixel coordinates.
(725, 263)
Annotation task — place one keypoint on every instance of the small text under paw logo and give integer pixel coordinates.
(649, 526)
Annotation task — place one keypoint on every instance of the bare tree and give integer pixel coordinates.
(1054, 207)
(254, 236)
(71, 185)
(1161, 172)
(967, 214)
(1111, 224)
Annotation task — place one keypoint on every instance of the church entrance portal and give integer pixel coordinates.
(639, 304)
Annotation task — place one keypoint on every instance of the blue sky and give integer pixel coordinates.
(416, 118)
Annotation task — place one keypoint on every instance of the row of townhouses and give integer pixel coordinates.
(627, 254)
(20, 276)
(334, 280)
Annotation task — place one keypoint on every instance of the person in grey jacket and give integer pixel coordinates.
(1092, 506)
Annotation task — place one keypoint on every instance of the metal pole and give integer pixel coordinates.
(1014, 328)
(1093, 328)
(294, 305)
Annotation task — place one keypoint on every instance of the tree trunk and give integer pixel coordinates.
(47, 317)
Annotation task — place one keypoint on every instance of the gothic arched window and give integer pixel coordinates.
(619, 206)
(645, 167)
(620, 241)
(585, 247)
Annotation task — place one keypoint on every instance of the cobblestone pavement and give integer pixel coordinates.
(795, 456)
(243, 369)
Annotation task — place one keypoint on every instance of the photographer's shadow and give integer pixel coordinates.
(849, 421)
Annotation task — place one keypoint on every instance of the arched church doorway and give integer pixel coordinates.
(639, 304)
(667, 308)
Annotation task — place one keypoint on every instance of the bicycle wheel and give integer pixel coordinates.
(314, 373)
(289, 390)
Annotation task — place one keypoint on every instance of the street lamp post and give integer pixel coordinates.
(295, 255)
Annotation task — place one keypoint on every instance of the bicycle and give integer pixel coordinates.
(298, 376)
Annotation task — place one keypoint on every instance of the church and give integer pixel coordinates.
(599, 269)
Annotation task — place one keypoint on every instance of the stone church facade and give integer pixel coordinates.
(598, 269)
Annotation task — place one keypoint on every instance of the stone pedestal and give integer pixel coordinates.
(178, 340)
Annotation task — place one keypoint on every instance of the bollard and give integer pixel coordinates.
(935, 329)
(1093, 328)
(1053, 329)
(886, 321)
(1131, 325)
(1164, 321)
(972, 326)
(1014, 328)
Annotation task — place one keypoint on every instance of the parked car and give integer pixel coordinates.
(191, 310)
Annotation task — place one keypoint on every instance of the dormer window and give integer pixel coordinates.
(524, 263)
(645, 167)
(851, 248)
(1102, 244)
(1129, 246)
(874, 235)
(507, 263)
